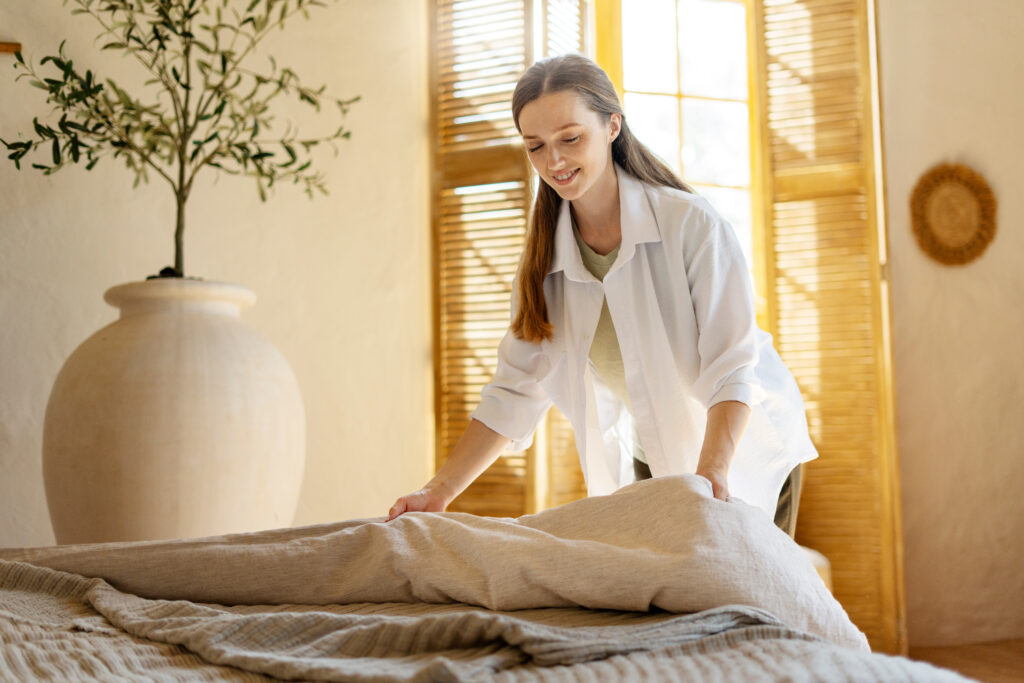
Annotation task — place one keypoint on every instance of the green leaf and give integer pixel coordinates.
(291, 152)
(56, 151)
(17, 55)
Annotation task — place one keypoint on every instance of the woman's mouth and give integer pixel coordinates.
(566, 178)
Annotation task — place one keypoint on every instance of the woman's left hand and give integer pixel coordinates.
(726, 421)
(719, 482)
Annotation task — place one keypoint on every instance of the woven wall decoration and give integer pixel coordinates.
(953, 212)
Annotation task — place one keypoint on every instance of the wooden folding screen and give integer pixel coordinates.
(482, 189)
(825, 281)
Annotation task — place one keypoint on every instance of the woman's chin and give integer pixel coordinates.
(567, 192)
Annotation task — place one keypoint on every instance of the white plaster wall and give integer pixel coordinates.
(343, 280)
(950, 72)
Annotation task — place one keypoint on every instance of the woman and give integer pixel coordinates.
(632, 311)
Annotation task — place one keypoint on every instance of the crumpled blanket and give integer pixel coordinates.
(664, 543)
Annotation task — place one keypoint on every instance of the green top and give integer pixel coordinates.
(604, 350)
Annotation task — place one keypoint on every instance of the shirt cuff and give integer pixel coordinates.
(494, 415)
(736, 391)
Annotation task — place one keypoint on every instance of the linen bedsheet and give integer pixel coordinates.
(658, 577)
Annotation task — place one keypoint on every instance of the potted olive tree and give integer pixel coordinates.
(176, 420)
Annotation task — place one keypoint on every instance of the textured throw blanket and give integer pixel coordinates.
(431, 596)
(62, 627)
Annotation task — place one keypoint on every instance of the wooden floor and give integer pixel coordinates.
(997, 662)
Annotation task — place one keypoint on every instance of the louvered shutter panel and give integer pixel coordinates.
(481, 197)
(827, 297)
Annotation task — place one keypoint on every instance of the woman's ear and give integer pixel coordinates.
(614, 125)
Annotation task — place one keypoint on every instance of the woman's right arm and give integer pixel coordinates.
(512, 401)
(477, 448)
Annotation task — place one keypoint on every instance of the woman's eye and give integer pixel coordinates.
(572, 139)
(531, 150)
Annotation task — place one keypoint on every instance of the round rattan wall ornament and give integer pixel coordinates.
(953, 212)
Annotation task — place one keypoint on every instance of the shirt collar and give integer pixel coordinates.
(638, 226)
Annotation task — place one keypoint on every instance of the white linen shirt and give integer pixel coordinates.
(681, 301)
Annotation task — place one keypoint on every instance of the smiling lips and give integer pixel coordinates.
(566, 178)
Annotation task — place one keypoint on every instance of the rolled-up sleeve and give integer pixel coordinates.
(723, 302)
(513, 403)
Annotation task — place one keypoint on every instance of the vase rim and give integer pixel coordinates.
(179, 289)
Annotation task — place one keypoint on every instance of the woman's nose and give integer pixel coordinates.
(554, 158)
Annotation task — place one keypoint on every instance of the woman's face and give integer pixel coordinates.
(568, 143)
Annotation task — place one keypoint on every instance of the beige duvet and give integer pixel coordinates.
(659, 576)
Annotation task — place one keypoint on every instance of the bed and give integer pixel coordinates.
(657, 581)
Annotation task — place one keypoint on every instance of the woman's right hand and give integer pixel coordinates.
(478, 447)
(426, 499)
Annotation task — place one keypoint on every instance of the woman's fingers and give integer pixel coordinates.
(397, 509)
(420, 501)
(722, 493)
(719, 484)
(720, 489)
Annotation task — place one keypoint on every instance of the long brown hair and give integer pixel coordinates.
(555, 74)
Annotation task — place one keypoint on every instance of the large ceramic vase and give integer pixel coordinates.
(175, 421)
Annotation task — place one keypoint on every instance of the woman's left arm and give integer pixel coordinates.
(726, 422)
(723, 301)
